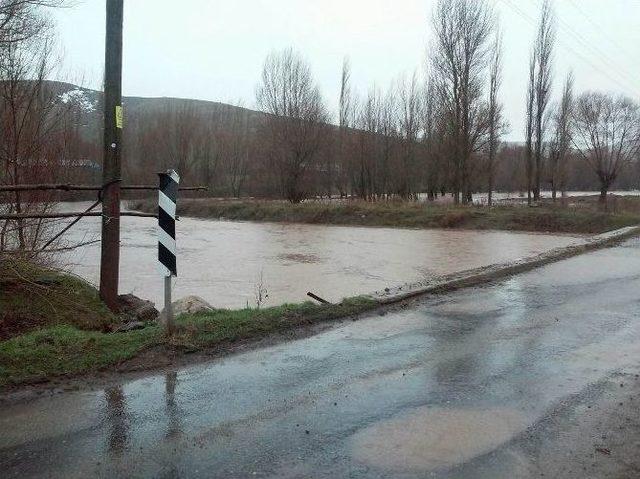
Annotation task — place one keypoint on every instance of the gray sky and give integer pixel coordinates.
(214, 49)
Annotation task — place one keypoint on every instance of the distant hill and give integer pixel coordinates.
(89, 102)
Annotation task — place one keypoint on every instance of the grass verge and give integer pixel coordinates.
(66, 350)
(33, 297)
(545, 218)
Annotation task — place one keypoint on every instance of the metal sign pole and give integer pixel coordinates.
(167, 197)
(168, 308)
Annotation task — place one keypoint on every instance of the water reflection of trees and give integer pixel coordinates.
(117, 417)
(174, 427)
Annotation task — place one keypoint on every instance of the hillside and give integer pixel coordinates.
(89, 102)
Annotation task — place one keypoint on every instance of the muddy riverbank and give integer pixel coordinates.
(571, 215)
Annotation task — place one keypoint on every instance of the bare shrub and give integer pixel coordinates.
(36, 123)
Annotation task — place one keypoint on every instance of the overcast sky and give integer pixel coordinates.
(214, 49)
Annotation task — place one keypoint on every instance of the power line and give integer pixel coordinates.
(590, 47)
(533, 22)
(599, 30)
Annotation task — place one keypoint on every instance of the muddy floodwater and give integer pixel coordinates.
(223, 261)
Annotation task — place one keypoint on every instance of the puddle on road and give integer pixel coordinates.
(428, 439)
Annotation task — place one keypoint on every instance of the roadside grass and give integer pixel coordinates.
(227, 326)
(66, 350)
(544, 218)
(33, 296)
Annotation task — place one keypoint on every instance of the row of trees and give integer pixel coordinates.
(602, 129)
(430, 134)
(443, 133)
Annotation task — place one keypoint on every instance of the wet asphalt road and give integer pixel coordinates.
(458, 385)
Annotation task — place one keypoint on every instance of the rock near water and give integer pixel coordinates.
(189, 305)
(136, 308)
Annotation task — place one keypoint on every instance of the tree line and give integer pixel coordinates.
(426, 135)
(443, 133)
(430, 133)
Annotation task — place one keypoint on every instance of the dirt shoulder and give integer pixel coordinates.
(583, 217)
(595, 436)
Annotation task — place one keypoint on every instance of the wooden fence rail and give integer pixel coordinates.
(26, 216)
(67, 187)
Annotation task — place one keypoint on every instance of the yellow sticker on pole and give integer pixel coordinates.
(119, 116)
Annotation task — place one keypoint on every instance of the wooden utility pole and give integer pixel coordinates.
(110, 256)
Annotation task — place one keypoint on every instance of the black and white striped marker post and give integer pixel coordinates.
(167, 196)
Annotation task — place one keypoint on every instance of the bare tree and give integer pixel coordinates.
(387, 145)
(21, 20)
(560, 146)
(495, 117)
(370, 165)
(35, 127)
(234, 145)
(207, 150)
(410, 117)
(434, 136)
(180, 141)
(607, 135)
(170, 138)
(345, 95)
(542, 60)
(462, 44)
(345, 121)
(296, 124)
(530, 124)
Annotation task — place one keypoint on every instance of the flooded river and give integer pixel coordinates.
(223, 261)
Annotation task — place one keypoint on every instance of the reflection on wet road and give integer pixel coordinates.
(222, 261)
(116, 412)
(453, 386)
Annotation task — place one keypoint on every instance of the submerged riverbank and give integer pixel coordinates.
(62, 330)
(548, 217)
